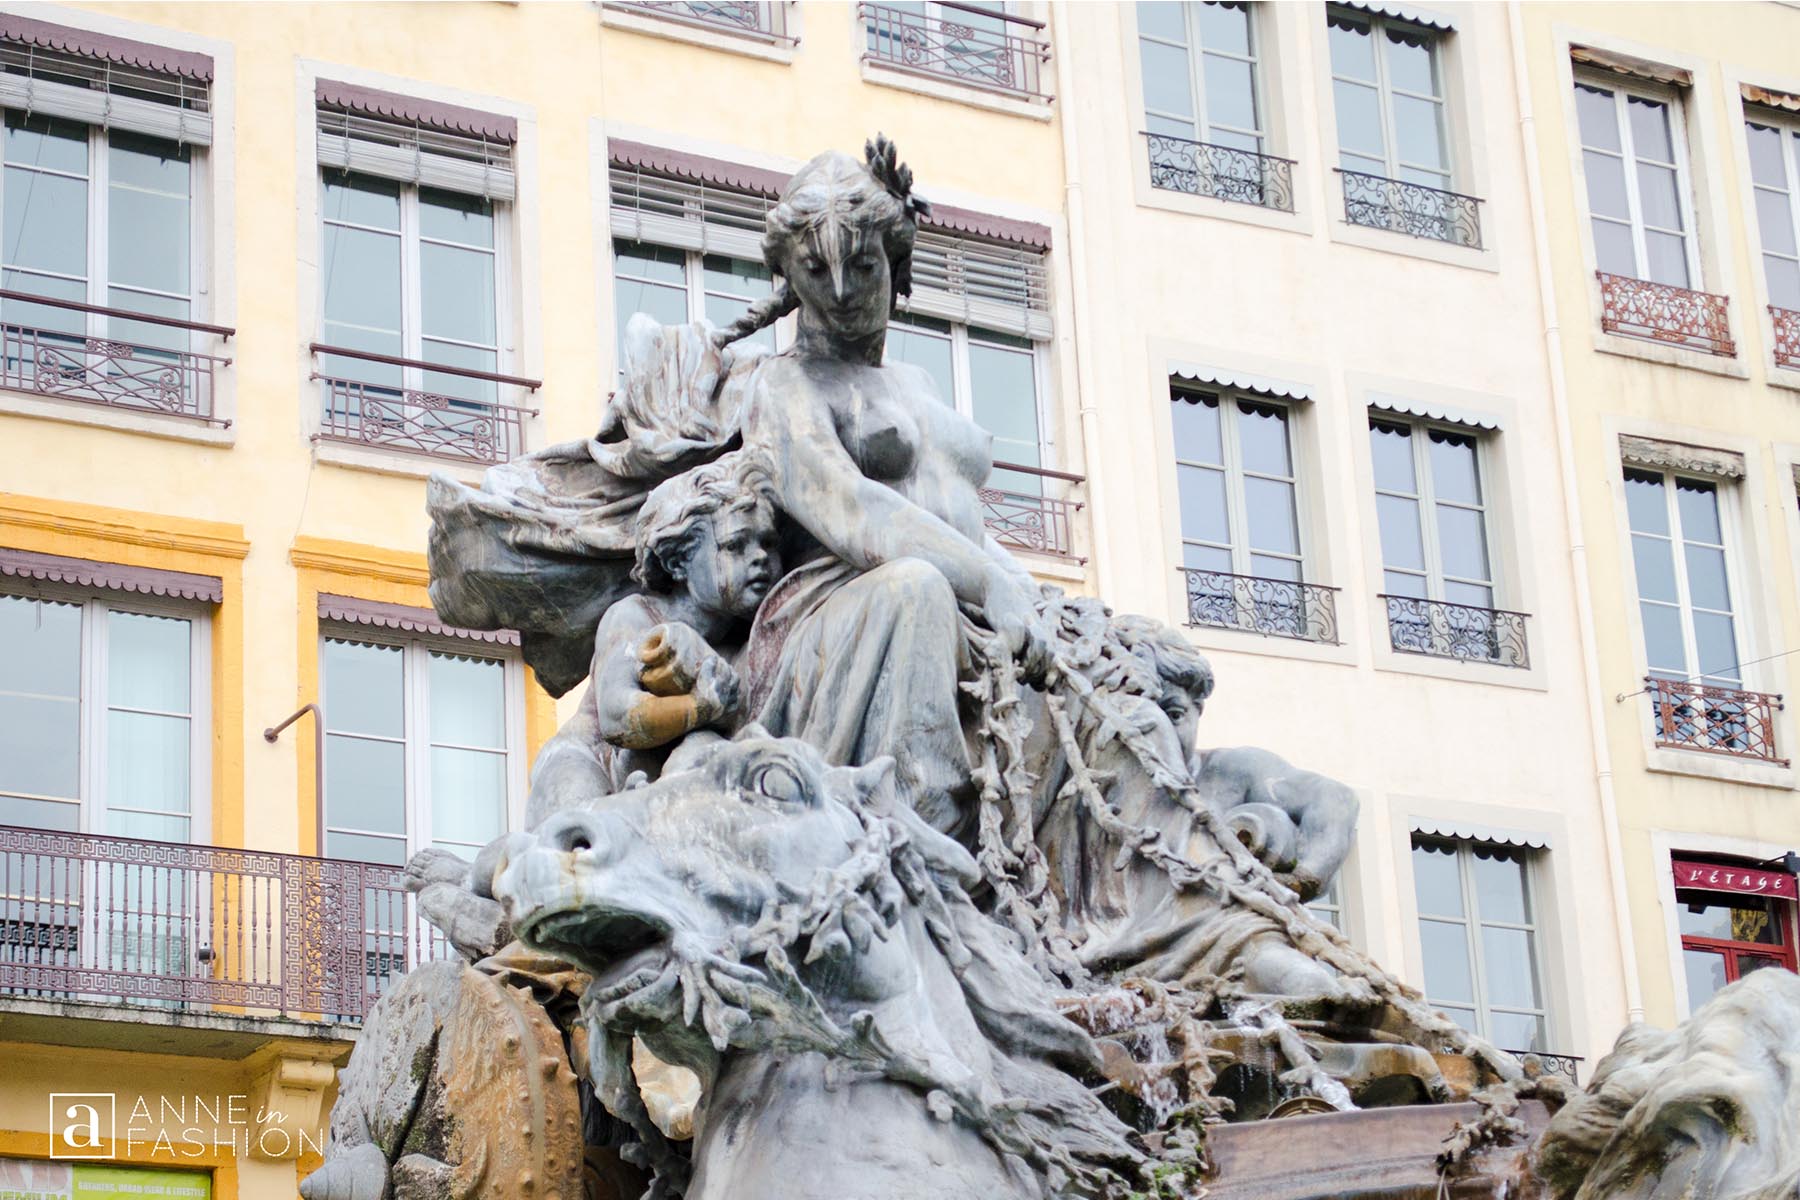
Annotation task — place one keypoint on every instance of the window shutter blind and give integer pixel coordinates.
(112, 95)
(978, 282)
(405, 146)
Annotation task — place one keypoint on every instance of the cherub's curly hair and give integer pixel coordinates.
(665, 524)
(875, 194)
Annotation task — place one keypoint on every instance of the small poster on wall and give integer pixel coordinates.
(40, 1179)
(34, 1179)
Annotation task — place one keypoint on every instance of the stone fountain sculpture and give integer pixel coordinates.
(869, 868)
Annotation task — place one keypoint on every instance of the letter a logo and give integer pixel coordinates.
(81, 1124)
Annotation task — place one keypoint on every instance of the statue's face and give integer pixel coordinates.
(734, 561)
(842, 276)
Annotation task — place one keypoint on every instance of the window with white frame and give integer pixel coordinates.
(1433, 512)
(102, 205)
(1635, 162)
(1775, 181)
(1387, 82)
(1234, 467)
(1201, 75)
(675, 286)
(1686, 597)
(1478, 933)
(986, 375)
(423, 745)
(103, 714)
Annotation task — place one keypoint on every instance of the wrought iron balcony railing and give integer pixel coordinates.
(1661, 312)
(1221, 172)
(132, 374)
(1411, 208)
(765, 20)
(414, 421)
(1717, 720)
(1441, 629)
(1276, 607)
(1566, 1065)
(966, 43)
(1032, 521)
(1787, 336)
(107, 918)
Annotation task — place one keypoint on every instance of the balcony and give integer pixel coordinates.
(1025, 519)
(1273, 607)
(1661, 312)
(1439, 629)
(1566, 1065)
(84, 916)
(1714, 720)
(1221, 172)
(963, 43)
(110, 357)
(412, 420)
(1397, 206)
(765, 22)
(1787, 336)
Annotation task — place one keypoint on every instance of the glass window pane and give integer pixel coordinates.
(1655, 568)
(1776, 220)
(1267, 567)
(1473, 595)
(1391, 448)
(147, 761)
(45, 223)
(147, 213)
(1784, 282)
(1657, 192)
(1510, 974)
(142, 334)
(1698, 505)
(1649, 121)
(1665, 645)
(1176, 127)
(358, 847)
(1418, 138)
(1352, 47)
(664, 305)
(1402, 547)
(1263, 439)
(1705, 975)
(40, 647)
(1223, 27)
(40, 746)
(1500, 887)
(1436, 879)
(463, 387)
(1744, 919)
(468, 796)
(1595, 111)
(457, 293)
(38, 814)
(1166, 79)
(147, 662)
(1766, 166)
(1516, 1031)
(1412, 66)
(1159, 18)
(365, 784)
(1606, 185)
(1715, 646)
(735, 276)
(363, 687)
(659, 264)
(1197, 431)
(1707, 585)
(1462, 542)
(455, 217)
(1455, 474)
(1614, 251)
(1230, 93)
(361, 200)
(1646, 502)
(48, 142)
(1269, 512)
(1396, 583)
(1203, 504)
(913, 342)
(468, 701)
(1446, 951)
(1003, 400)
(1667, 258)
(361, 278)
(1359, 120)
(157, 827)
(1205, 558)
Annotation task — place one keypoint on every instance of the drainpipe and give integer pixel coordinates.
(1578, 565)
(1081, 322)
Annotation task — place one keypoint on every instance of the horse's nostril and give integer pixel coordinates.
(579, 844)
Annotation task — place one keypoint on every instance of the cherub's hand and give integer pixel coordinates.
(672, 655)
(715, 691)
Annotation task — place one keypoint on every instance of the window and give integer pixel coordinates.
(1328, 906)
(1685, 593)
(1200, 73)
(1725, 937)
(422, 747)
(1234, 468)
(988, 376)
(1636, 169)
(1478, 934)
(103, 725)
(677, 286)
(1775, 179)
(1388, 89)
(976, 43)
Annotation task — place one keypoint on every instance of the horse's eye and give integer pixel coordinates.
(778, 783)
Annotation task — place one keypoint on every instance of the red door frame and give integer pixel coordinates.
(1783, 954)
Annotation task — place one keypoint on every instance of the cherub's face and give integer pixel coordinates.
(847, 283)
(734, 561)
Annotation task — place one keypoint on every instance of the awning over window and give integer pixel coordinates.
(1730, 877)
(1768, 97)
(404, 617)
(1240, 381)
(1637, 68)
(111, 82)
(1471, 831)
(411, 140)
(1432, 411)
(110, 577)
(1679, 456)
(1404, 12)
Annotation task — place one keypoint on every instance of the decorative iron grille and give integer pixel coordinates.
(1717, 720)
(1030, 520)
(1661, 312)
(1787, 336)
(1221, 172)
(83, 915)
(962, 42)
(1411, 208)
(416, 421)
(112, 372)
(1441, 629)
(1566, 1065)
(1276, 607)
(762, 20)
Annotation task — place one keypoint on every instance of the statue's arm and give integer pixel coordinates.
(1324, 811)
(636, 716)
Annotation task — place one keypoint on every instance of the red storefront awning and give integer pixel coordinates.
(1717, 877)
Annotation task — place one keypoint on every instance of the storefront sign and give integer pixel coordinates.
(1751, 881)
(36, 1179)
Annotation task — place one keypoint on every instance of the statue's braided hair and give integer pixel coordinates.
(876, 193)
